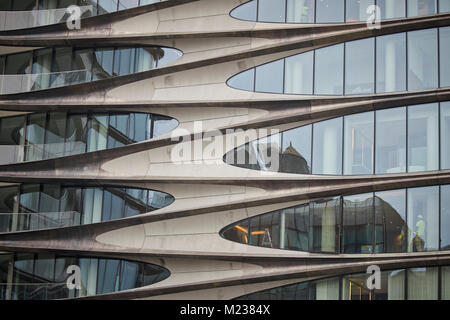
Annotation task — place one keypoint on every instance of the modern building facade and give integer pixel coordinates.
(224, 149)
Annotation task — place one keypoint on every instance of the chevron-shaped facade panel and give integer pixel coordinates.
(224, 149)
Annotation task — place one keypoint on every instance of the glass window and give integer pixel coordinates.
(113, 204)
(323, 234)
(34, 144)
(103, 64)
(423, 283)
(11, 129)
(396, 284)
(327, 148)
(358, 143)
(265, 230)
(97, 134)
(300, 11)
(421, 7)
(128, 275)
(167, 56)
(76, 134)
(422, 60)
(5, 5)
(247, 11)
(108, 276)
(390, 141)
(106, 6)
(269, 77)
(82, 65)
(124, 61)
(70, 206)
(163, 125)
(360, 66)
(423, 219)
(391, 62)
(296, 151)
(145, 59)
(354, 288)
(140, 126)
(329, 70)
(42, 65)
(244, 80)
(330, 11)
(357, 10)
(127, 4)
(358, 224)
(445, 218)
(299, 74)
(19, 63)
(423, 138)
(24, 5)
(92, 205)
(9, 197)
(118, 130)
(238, 233)
(444, 34)
(29, 204)
(445, 283)
(392, 9)
(294, 228)
(444, 6)
(445, 135)
(272, 11)
(390, 221)
(55, 134)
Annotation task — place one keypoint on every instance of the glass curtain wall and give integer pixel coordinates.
(27, 276)
(397, 140)
(37, 207)
(393, 221)
(49, 68)
(334, 11)
(425, 283)
(367, 66)
(56, 134)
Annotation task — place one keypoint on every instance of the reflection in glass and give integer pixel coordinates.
(247, 11)
(421, 7)
(44, 276)
(423, 283)
(422, 60)
(358, 143)
(390, 221)
(48, 206)
(444, 6)
(330, 11)
(271, 11)
(445, 283)
(359, 66)
(243, 81)
(269, 77)
(391, 63)
(358, 219)
(300, 11)
(327, 148)
(445, 135)
(298, 75)
(444, 45)
(423, 217)
(323, 235)
(329, 69)
(391, 9)
(423, 138)
(445, 218)
(391, 141)
(296, 151)
(357, 10)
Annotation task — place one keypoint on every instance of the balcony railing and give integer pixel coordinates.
(39, 220)
(16, 83)
(15, 20)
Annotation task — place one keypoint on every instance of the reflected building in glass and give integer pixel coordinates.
(239, 149)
